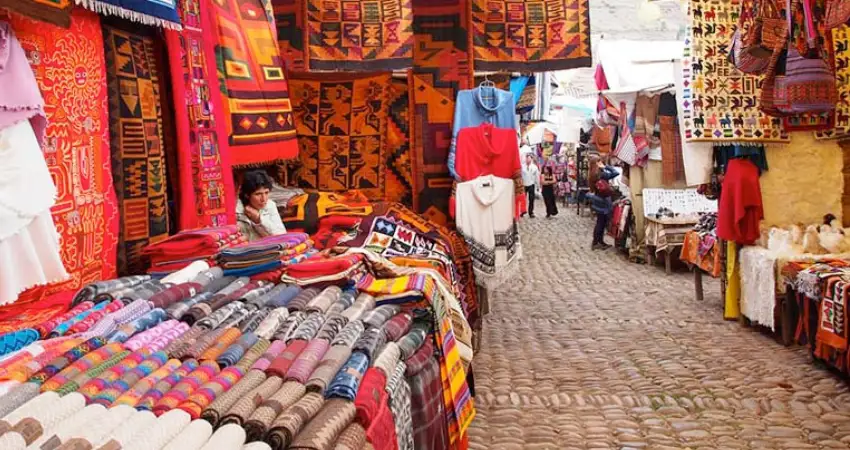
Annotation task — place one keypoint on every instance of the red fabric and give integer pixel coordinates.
(32, 315)
(190, 245)
(282, 363)
(381, 433)
(332, 229)
(600, 78)
(371, 396)
(740, 209)
(206, 196)
(321, 265)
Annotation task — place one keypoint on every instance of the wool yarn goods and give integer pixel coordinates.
(16, 340)
(308, 328)
(236, 350)
(349, 334)
(187, 385)
(79, 366)
(352, 438)
(364, 303)
(323, 301)
(260, 420)
(287, 425)
(222, 404)
(167, 337)
(224, 340)
(398, 326)
(387, 359)
(166, 428)
(181, 344)
(147, 321)
(371, 395)
(215, 319)
(244, 407)
(345, 300)
(63, 327)
(243, 312)
(202, 397)
(91, 436)
(92, 291)
(332, 326)
(370, 343)
(177, 310)
(399, 392)
(187, 273)
(125, 435)
(17, 397)
(253, 354)
(307, 360)
(146, 338)
(330, 364)
(289, 325)
(272, 352)
(45, 328)
(26, 409)
(72, 425)
(347, 380)
(193, 437)
(284, 361)
(381, 434)
(300, 301)
(131, 312)
(152, 362)
(271, 322)
(283, 295)
(412, 341)
(98, 384)
(154, 386)
(61, 362)
(322, 431)
(173, 294)
(25, 368)
(75, 383)
(89, 321)
(46, 416)
(228, 437)
(250, 323)
(257, 445)
(197, 348)
(378, 316)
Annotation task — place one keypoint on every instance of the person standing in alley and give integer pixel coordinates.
(600, 201)
(530, 178)
(548, 182)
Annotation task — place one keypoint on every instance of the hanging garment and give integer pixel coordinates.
(477, 106)
(740, 208)
(485, 218)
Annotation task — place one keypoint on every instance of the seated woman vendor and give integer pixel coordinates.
(256, 215)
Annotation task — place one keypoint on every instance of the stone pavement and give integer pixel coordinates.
(585, 350)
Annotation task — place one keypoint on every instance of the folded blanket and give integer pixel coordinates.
(398, 326)
(334, 323)
(134, 395)
(322, 431)
(276, 348)
(108, 395)
(244, 407)
(307, 361)
(327, 368)
(347, 381)
(364, 303)
(349, 334)
(287, 425)
(197, 244)
(370, 343)
(309, 328)
(280, 365)
(371, 396)
(203, 396)
(260, 421)
(247, 361)
(324, 300)
(388, 359)
(222, 404)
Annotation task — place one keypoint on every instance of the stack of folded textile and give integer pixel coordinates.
(188, 246)
(266, 254)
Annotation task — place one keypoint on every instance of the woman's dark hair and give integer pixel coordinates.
(253, 180)
(548, 170)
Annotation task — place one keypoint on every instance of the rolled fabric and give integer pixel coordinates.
(228, 437)
(352, 438)
(96, 370)
(131, 312)
(250, 323)
(411, 342)
(91, 291)
(177, 310)
(7, 386)
(257, 445)
(129, 379)
(272, 352)
(364, 303)
(138, 424)
(79, 366)
(322, 431)
(370, 396)
(324, 300)
(271, 322)
(398, 326)
(332, 326)
(149, 320)
(174, 294)
(71, 426)
(299, 302)
(16, 340)
(349, 334)
(345, 300)
(387, 359)
(65, 326)
(236, 350)
(242, 312)
(260, 420)
(59, 363)
(153, 393)
(370, 343)
(218, 284)
(225, 340)
(378, 316)
(90, 436)
(178, 346)
(197, 348)
(347, 380)
(307, 360)
(193, 437)
(217, 317)
(283, 362)
(330, 364)
(247, 361)
(145, 338)
(289, 325)
(202, 397)
(382, 430)
(222, 404)
(258, 291)
(308, 328)
(23, 368)
(287, 425)
(167, 337)
(187, 273)
(207, 276)
(142, 291)
(28, 408)
(187, 385)
(18, 396)
(46, 327)
(91, 319)
(399, 392)
(283, 296)
(244, 407)
(166, 428)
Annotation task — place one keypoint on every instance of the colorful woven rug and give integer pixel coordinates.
(256, 99)
(359, 34)
(206, 196)
(57, 12)
(135, 125)
(442, 67)
(531, 35)
(159, 13)
(398, 182)
(720, 102)
(68, 64)
(841, 45)
(289, 20)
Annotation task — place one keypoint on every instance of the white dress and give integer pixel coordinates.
(485, 218)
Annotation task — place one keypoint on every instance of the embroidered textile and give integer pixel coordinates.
(538, 35)
(160, 13)
(138, 162)
(359, 35)
(720, 103)
(758, 285)
(260, 123)
(341, 123)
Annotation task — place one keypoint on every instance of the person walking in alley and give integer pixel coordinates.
(530, 178)
(601, 203)
(548, 182)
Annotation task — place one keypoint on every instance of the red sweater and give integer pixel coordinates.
(740, 209)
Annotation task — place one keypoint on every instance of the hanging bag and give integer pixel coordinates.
(745, 50)
(837, 13)
(626, 150)
(768, 100)
(606, 112)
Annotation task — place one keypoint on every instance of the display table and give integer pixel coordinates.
(665, 235)
(700, 256)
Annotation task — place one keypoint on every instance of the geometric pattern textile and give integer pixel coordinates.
(359, 35)
(289, 21)
(138, 163)
(341, 122)
(531, 35)
(841, 45)
(720, 102)
(255, 93)
(69, 67)
(399, 175)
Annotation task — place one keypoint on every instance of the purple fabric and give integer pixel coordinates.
(19, 95)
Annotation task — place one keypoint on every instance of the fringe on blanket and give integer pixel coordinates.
(135, 16)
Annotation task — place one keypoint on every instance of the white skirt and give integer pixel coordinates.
(30, 258)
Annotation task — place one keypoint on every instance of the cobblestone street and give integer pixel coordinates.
(584, 350)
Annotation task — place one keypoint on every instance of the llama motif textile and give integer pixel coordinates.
(720, 103)
(206, 196)
(69, 64)
(531, 35)
(359, 35)
(138, 163)
(341, 121)
(259, 120)
(841, 47)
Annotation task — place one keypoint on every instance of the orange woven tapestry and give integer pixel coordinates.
(398, 185)
(289, 21)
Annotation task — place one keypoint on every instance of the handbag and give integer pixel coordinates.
(745, 50)
(808, 85)
(768, 101)
(626, 150)
(774, 27)
(837, 13)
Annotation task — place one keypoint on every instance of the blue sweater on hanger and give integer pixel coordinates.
(481, 105)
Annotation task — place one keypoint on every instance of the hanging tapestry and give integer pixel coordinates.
(442, 67)
(359, 34)
(135, 128)
(289, 21)
(159, 13)
(398, 182)
(841, 46)
(341, 121)
(720, 103)
(70, 71)
(57, 12)
(260, 124)
(531, 35)
(206, 195)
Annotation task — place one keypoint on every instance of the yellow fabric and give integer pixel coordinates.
(733, 283)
